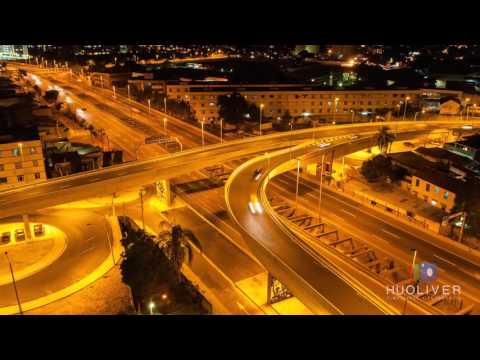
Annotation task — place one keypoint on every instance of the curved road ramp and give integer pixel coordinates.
(319, 276)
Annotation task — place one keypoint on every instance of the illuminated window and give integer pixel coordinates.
(436, 189)
(16, 152)
(445, 195)
(33, 150)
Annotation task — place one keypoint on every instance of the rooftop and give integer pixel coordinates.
(427, 170)
(442, 154)
(18, 134)
(471, 141)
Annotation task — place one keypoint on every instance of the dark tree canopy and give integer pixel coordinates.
(381, 167)
(51, 96)
(235, 109)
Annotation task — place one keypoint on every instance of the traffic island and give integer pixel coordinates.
(28, 257)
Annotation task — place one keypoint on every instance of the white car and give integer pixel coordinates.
(254, 205)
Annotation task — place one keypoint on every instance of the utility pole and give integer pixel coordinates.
(141, 204)
(413, 270)
(320, 189)
(14, 284)
(298, 182)
(462, 229)
(221, 131)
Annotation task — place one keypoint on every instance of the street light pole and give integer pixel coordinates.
(221, 131)
(141, 204)
(151, 306)
(261, 111)
(114, 95)
(405, 110)
(320, 189)
(203, 138)
(298, 182)
(412, 270)
(14, 284)
(165, 103)
(353, 113)
(149, 107)
(334, 110)
(165, 125)
(110, 245)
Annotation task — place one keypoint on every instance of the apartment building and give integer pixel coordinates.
(21, 162)
(299, 100)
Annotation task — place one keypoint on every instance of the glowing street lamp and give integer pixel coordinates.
(203, 138)
(335, 109)
(405, 110)
(353, 113)
(261, 111)
(114, 95)
(149, 106)
(151, 306)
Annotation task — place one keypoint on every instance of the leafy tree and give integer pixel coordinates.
(468, 200)
(286, 117)
(381, 167)
(370, 171)
(176, 245)
(51, 96)
(385, 139)
(144, 265)
(234, 108)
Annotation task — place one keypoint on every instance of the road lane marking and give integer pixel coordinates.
(390, 233)
(348, 212)
(64, 186)
(445, 260)
(87, 250)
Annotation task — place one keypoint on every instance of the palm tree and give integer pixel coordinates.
(385, 139)
(177, 245)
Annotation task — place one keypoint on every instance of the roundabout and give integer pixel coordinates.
(74, 252)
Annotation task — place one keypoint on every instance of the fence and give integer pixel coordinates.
(386, 207)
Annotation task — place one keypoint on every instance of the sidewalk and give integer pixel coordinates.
(106, 296)
(394, 197)
(458, 249)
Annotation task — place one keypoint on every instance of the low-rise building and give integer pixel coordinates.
(456, 164)
(21, 158)
(469, 147)
(426, 181)
(450, 107)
